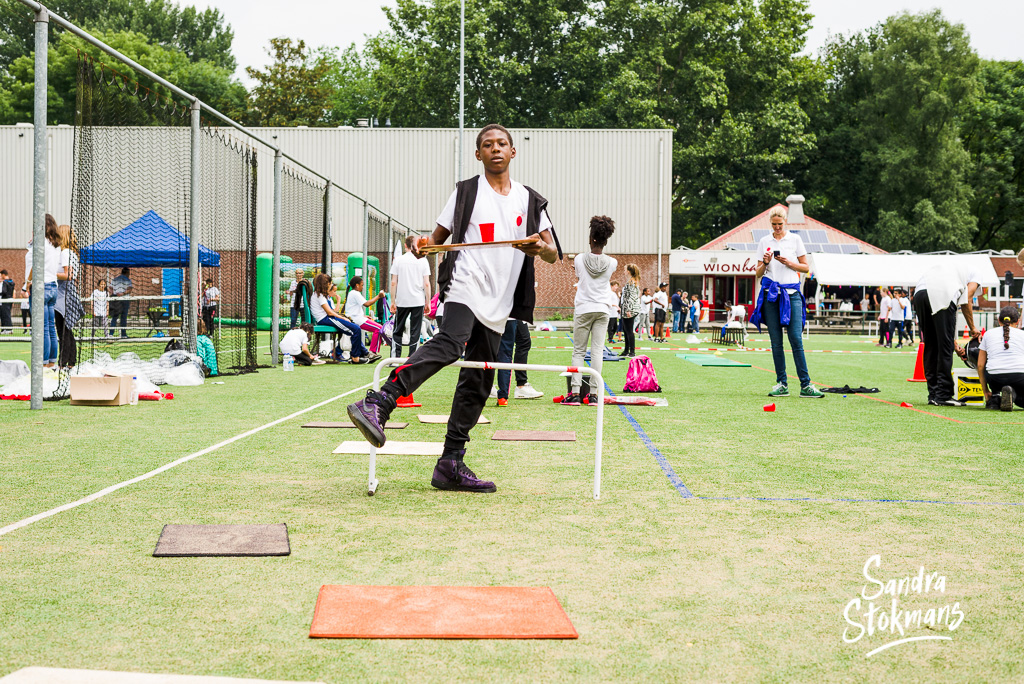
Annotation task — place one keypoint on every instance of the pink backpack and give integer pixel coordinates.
(640, 377)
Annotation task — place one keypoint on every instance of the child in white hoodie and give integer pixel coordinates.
(590, 318)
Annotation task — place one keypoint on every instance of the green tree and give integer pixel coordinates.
(293, 90)
(991, 133)
(210, 83)
(891, 167)
(200, 35)
(535, 63)
(349, 80)
(729, 79)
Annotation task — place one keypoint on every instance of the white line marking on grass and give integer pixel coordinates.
(185, 459)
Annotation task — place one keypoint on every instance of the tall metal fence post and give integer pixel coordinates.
(275, 279)
(328, 244)
(386, 287)
(195, 233)
(366, 243)
(42, 27)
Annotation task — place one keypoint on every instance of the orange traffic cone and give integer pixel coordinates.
(408, 402)
(919, 366)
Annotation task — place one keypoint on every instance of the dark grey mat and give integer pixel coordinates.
(223, 540)
(347, 424)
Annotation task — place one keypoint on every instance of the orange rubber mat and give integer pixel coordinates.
(359, 612)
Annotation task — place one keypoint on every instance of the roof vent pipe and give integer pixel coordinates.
(796, 209)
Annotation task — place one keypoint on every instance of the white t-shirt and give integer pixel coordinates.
(210, 296)
(896, 307)
(53, 259)
(592, 294)
(947, 284)
(411, 272)
(695, 308)
(1002, 360)
(790, 247)
(293, 340)
(99, 303)
(885, 308)
(645, 304)
(316, 303)
(659, 301)
(612, 302)
(485, 279)
(354, 307)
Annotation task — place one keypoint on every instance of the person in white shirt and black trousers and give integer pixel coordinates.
(939, 292)
(410, 284)
(481, 289)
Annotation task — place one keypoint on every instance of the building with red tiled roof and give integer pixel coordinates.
(722, 271)
(817, 236)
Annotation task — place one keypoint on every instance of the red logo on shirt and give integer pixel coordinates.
(487, 232)
(519, 220)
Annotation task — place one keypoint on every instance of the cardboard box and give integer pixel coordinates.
(110, 390)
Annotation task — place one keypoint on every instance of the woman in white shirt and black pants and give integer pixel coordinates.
(939, 292)
(1001, 362)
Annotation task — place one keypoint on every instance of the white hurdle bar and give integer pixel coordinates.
(595, 380)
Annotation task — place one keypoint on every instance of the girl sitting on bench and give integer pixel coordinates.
(326, 315)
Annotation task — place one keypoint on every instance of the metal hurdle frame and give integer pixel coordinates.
(595, 378)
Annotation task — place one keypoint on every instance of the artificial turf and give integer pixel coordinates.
(743, 580)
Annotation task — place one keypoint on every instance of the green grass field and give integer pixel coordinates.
(746, 580)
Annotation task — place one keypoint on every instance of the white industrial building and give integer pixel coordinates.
(408, 174)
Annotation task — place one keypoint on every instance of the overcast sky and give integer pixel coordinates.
(994, 25)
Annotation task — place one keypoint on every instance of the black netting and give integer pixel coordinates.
(228, 181)
(303, 243)
(131, 210)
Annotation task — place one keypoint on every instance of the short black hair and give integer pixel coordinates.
(3, 271)
(125, 271)
(355, 281)
(492, 127)
(601, 229)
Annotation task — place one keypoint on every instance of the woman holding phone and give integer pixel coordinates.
(781, 303)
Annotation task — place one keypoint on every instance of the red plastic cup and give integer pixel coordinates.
(487, 232)
(769, 407)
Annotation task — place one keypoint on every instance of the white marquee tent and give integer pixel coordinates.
(891, 269)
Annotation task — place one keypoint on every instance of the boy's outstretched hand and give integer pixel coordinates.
(540, 245)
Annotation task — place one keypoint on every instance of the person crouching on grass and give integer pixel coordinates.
(781, 303)
(1001, 362)
(481, 289)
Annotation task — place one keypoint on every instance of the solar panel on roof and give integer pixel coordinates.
(759, 233)
(739, 246)
(850, 249)
(832, 249)
(819, 236)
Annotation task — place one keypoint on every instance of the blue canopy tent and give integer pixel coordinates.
(148, 241)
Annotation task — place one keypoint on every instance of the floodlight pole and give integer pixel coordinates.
(195, 235)
(462, 85)
(275, 276)
(42, 27)
(328, 252)
(366, 245)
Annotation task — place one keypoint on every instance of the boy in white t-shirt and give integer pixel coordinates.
(780, 303)
(355, 310)
(884, 312)
(296, 343)
(481, 290)
(660, 310)
(410, 286)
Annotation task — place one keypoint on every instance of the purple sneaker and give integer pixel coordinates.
(370, 415)
(455, 476)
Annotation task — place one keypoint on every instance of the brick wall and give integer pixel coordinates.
(555, 282)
